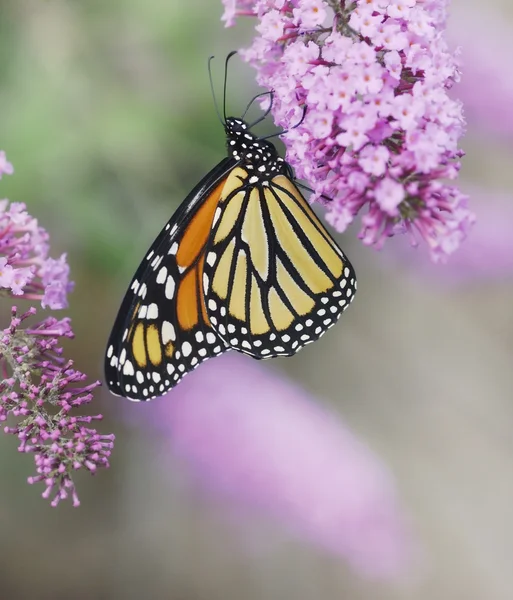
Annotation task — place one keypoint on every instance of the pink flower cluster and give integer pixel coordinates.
(380, 131)
(26, 270)
(39, 388)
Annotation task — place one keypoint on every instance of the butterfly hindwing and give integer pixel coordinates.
(162, 331)
(276, 280)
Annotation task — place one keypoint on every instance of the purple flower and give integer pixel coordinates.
(380, 131)
(5, 166)
(55, 279)
(25, 268)
(235, 8)
(39, 388)
(14, 279)
(261, 443)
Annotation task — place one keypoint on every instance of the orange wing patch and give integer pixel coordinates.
(187, 300)
(190, 302)
(198, 230)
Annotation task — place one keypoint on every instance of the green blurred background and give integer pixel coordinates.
(108, 119)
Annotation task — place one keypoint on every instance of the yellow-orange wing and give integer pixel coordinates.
(162, 330)
(275, 280)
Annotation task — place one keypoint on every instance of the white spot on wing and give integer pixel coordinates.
(153, 311)
(170, 288)
(168, 332)
(162, 274)
(128, 369)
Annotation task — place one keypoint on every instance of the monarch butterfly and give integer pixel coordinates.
(243, 264)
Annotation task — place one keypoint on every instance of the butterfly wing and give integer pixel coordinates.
(162, 330)
(275, 279)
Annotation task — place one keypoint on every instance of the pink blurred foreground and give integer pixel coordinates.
(259, 441)
(486, 255)
(486, 88)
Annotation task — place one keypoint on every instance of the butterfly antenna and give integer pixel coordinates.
(269, 108)
(212, 90)
(226, 80)
(286, 130)
(253, 99)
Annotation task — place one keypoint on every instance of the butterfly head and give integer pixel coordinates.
(253, 153)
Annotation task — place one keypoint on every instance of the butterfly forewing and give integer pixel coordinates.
(275, 279)
(162, 331)
(244, 263)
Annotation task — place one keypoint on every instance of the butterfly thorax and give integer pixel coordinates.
(257, 156)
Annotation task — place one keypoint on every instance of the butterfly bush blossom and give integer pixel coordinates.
(380, 131)
(39, 387)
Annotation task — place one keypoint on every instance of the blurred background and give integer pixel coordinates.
(108, 120)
